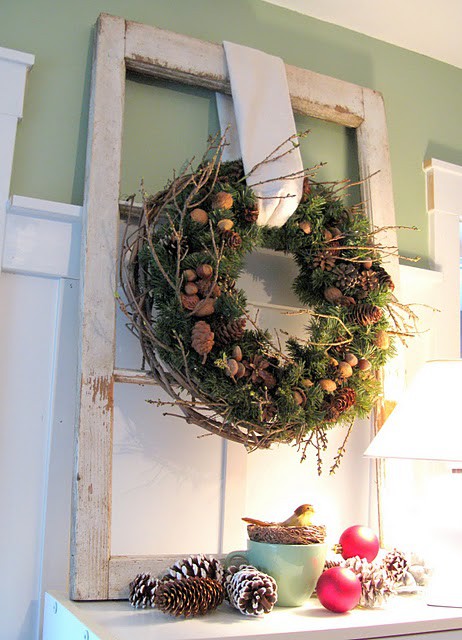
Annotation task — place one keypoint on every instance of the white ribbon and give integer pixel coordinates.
(259, 125)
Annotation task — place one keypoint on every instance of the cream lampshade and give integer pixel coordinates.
(427, 425)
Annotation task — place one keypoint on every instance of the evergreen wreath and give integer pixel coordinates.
(179, 269)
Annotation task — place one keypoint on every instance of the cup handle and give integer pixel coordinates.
(229, 560)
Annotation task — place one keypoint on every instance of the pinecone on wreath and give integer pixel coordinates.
(376, 585)
(202, 566)
(250, 591)
(142, 591)
(325, 260)
(230, 332)
(341, 401)
(346, 274)
(365, 314)
(189, 596)
(202, 339)
(396, 565)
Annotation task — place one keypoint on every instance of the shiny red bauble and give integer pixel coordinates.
(339, 589)
(359, 541)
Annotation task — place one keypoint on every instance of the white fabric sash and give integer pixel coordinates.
(259, 121)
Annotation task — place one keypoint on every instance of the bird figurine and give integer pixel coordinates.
(301, 517)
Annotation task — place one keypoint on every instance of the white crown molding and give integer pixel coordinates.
(14, 66)
(42, 238)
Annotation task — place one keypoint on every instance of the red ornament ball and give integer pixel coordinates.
(359, 541)
(339, 589)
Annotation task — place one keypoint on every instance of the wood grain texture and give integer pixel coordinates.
(172, 56)
(90, 534)
(163, 54)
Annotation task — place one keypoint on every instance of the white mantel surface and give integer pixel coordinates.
(117, 620)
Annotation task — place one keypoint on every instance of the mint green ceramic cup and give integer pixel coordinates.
(295, 567)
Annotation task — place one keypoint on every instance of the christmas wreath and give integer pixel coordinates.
(179, 272)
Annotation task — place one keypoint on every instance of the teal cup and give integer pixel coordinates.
(295, 567)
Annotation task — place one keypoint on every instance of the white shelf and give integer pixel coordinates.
(117, 620)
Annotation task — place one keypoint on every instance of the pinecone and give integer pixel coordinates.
(367, 281)
(365, 314)
(232, 239)
(384, 278)
(188, 597)
(230, 332)
(201, 566)
(202, 339)
(142, 591)
(342, 400)
(257, 368)
(376, 585)
(231, 171)
(170, 244)
(325, 260)
(250, 214)
(397, 566)
(346, 275)
(250, 591)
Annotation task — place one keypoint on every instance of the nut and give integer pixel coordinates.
(351, 359)
(205, 308)
(382, 340)
(189, 275)
(200, 216)
(222, 200)
(225, 225)
(364, 364)
(344, 370)
(327, 385)
(237, 353)
(232, 367)
(204, 271)
(333, 295)
(190, 288)
(305, 226)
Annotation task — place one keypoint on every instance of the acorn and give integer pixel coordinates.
(190, 288)
(225, 225)
(237, 353)
(351, 359)
(200, 216)
(327, 235)
(333, 295)
(364, 364)
(299, 396)
(328, 385)
(241, 370)
(305, 226)
(333, 361)
(204, 271)
(205, 308)
(189, 302)
(232, 367)
(307, 383)
(344, 370)
(382, 340)
(222, 200)
(189, 275)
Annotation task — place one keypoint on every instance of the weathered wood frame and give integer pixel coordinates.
(122, 45)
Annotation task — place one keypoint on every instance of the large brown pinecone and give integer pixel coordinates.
(188, 597)
(201, 565)
(230, 332)
(232, 239)
(397, 565)
(202, 338)
(325, 260)
(384, 277)
(142, 591)
(365, 314)
(250, 591)
(376, 585)
(346, 274)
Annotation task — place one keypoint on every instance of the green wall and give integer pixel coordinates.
(165, 125)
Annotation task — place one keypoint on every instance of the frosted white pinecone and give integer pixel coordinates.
(250, 591)
(142, 591)
(201, 565)
(376, 585)
(397, 565)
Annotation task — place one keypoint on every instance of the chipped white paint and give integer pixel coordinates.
(167, 55)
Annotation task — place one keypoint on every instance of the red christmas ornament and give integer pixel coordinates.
(338, 589)
(359, 541)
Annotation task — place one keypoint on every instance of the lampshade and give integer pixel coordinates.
(427, 422)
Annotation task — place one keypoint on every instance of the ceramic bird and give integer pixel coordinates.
(301, 517)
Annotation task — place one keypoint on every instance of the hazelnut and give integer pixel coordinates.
(222, 200)
(200, 216)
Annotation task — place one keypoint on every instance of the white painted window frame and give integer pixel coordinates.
(122, 45)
